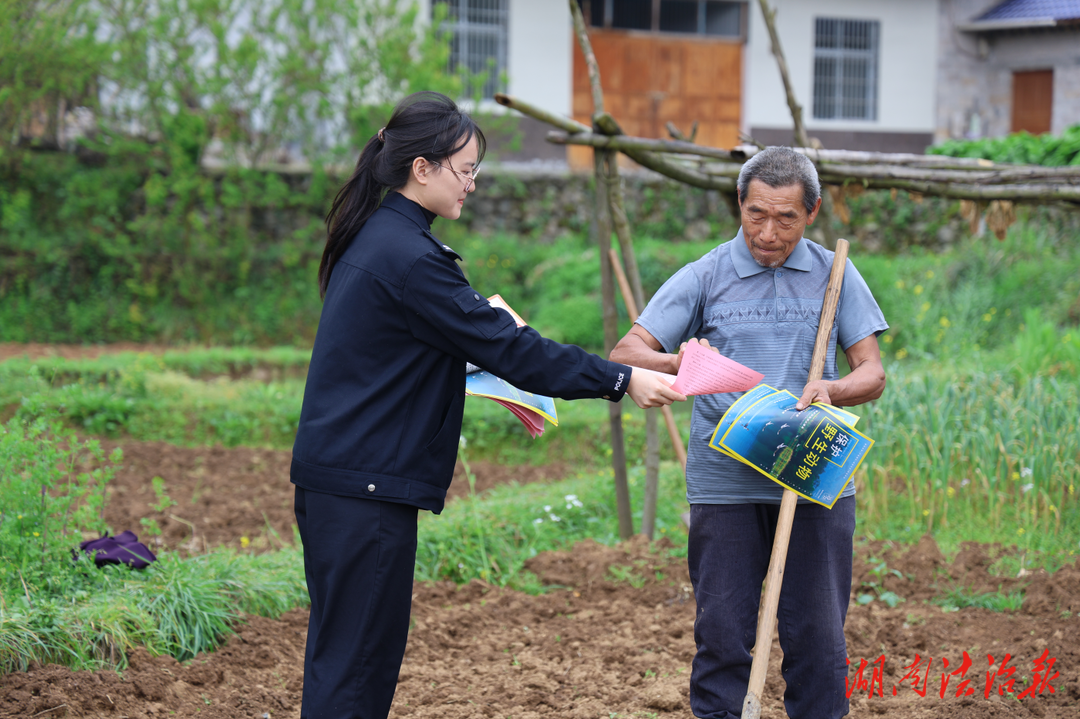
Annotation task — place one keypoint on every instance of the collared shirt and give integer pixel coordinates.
(764, 318)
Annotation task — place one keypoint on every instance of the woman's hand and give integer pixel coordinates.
(648, 389)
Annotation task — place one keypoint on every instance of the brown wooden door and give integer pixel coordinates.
(1032, 100)
(651, 79)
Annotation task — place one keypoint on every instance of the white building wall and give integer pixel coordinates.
(540, 62)
(907, 63)
(539, 52)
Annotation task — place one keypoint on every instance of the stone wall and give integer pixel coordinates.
(545, 204)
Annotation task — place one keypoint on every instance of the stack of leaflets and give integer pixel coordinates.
(531, 409)
(814, 453)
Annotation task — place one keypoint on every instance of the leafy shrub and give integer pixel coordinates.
(48, 498)
(1021, 148)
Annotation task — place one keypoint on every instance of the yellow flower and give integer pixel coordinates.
(1015, 476)
(901, 353)
(36, 534)
(926, 513)
(918, 289)
(1053, 509)
(244, 542)
(888, 339)
(944, 322)
(925, 306)
(899, 284)
(1070, 489)
(1020, 531)
(987, 317)
(950, 492)
(929, 274)
(626, 417)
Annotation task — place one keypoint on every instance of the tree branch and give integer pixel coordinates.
(793, 105)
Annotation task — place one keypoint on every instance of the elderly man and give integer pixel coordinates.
(757, 299)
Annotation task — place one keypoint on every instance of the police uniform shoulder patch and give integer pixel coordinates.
(442, 246)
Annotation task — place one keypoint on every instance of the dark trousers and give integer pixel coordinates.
(359, 556)
(729, 550)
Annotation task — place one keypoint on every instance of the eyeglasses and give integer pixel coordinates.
(469, 177)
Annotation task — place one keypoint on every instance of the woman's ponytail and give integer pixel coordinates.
(424, 124)
(354, 203)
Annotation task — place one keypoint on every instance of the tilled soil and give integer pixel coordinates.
(596, 647)
(237, 496)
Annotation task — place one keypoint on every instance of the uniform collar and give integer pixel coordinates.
(746, 266)
(420, 215)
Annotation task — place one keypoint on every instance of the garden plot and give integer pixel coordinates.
(616, 637)
(239, 497)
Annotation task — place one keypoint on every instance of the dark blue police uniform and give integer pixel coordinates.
(381, 420)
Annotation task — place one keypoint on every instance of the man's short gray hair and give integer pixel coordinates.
(781, 167)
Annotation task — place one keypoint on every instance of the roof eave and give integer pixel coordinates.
(1013, 24)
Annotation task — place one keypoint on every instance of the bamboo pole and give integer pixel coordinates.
(793, 105)
(563, 123)
(842, 159)
(832, 174)
(1004, 176)
(775, 576)
(602, 158)
(617, 209)
(646, 159)
(631, 310)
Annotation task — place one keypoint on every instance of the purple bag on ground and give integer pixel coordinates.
(124, 548)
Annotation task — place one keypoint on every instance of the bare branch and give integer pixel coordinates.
(796, 109)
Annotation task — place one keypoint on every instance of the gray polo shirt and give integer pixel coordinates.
(766, 319)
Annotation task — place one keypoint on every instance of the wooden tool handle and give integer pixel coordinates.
(775, 576)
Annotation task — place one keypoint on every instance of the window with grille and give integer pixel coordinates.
(717, 18)
(845, 69)
(478, 39)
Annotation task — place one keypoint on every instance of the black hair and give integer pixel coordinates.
(424, 124)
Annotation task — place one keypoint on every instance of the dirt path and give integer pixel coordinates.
(37, 350)
(600, 648)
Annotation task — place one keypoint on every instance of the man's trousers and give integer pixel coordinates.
(729, 549)
(359, 556)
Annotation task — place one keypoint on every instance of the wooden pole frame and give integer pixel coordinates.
(603, 160)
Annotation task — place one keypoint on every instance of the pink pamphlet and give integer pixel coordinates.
(703, 371)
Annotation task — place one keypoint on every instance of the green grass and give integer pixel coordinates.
(960, 597)
(90, 618)
(55, 610)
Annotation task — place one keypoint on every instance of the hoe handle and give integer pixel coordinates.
(775, 577)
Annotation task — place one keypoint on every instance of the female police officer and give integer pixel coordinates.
(385, 391)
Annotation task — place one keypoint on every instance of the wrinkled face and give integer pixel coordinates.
(443, 190)
(773, 221)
